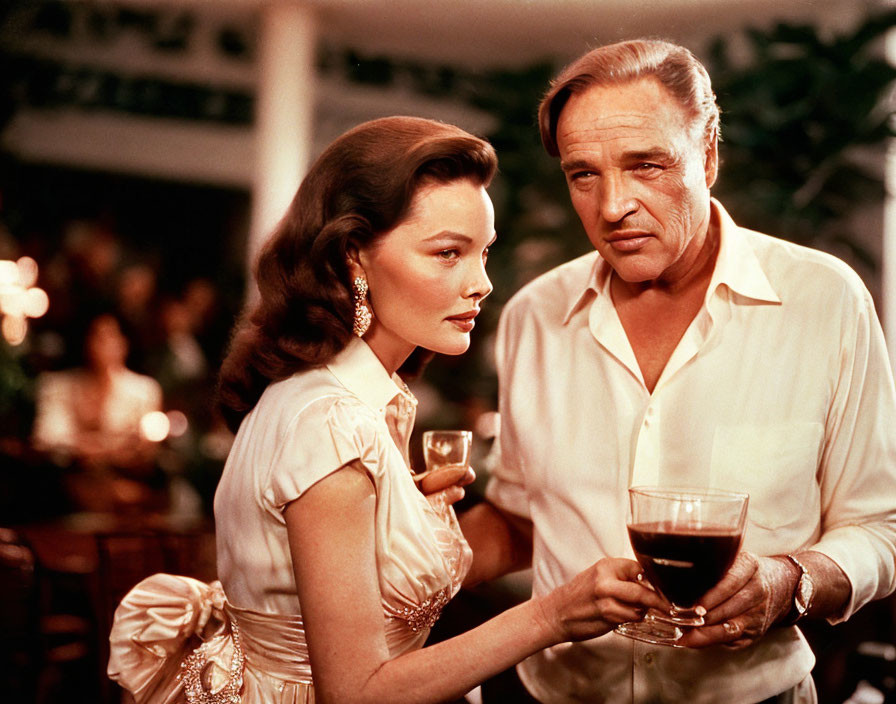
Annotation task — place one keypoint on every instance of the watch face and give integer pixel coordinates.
(804, 593)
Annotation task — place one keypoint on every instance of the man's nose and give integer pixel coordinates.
(616, 200)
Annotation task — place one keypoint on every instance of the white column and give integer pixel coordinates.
(888, 258)
(284, 108)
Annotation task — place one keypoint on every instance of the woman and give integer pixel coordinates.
(382, 252)
(88, 419)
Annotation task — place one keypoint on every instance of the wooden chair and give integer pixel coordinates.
(42, 647)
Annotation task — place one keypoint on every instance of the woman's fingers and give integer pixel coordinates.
(439, 479)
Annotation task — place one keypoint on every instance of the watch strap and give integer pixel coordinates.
(797, 610)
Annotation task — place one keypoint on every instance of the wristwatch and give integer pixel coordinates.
(802, 594)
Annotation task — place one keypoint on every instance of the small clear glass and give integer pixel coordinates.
(446, 448)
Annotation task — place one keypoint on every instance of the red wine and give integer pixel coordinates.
(684, 564)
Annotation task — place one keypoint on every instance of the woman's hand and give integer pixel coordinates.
(599, 598)
(449, 481)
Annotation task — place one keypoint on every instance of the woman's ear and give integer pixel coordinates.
(353, 254)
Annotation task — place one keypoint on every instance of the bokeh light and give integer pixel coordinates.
(36, 302)
(178, 424)
(14, 329)
(154, 426)
(20, 298)
(9, 273)
(27, 269)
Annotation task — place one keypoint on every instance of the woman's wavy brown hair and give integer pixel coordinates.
(358, 189)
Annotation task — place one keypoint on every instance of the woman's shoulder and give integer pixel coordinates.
(312, 393)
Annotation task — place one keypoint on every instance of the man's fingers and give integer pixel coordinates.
(725, 633)
(737, 577)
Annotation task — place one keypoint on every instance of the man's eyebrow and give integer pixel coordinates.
(649, 154)
(575, 164)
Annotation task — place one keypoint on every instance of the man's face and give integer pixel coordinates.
(639, 173)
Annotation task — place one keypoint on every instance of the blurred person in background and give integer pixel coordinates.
(137, 306)
(333, 564)
(88, 419)
(686, 351)
(211, 321)
(177, 360)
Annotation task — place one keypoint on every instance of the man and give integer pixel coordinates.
(686, 351)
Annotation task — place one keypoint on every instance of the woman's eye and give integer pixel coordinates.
(448, 254)
(485, 254)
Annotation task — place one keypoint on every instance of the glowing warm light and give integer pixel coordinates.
(12, 302)
(19, 298)
(14, 329)
(9, 273)
(178, 424)
(27, 269)
(154, 426)
(37, 302)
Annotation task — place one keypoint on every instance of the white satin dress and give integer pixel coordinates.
(180, 640)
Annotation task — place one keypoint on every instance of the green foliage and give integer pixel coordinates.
(16, 392)
(798, 120)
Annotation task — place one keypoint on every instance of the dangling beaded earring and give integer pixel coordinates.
(362, 312)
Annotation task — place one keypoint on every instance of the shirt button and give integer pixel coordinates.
(648, 659)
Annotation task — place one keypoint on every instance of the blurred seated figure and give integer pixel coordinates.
(88, 418)
(137, 305)
(177, 361)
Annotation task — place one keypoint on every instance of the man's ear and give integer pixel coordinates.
(711, 159)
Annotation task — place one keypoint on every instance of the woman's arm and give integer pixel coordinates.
(331, 536)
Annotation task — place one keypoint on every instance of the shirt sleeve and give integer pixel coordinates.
(506, 487)
(324, 437)
(54, 425)
(858, 468)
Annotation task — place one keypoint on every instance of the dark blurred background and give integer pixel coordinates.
(146, 149)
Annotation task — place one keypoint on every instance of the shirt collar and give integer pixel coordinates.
(360, 371)
(597, 282)
(736, 266)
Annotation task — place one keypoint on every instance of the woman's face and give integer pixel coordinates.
(107, 347)
(427, 275)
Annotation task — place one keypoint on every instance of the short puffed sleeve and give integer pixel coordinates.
(325, 436)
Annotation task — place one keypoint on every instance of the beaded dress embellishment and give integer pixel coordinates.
(425, 615)
(194, 665)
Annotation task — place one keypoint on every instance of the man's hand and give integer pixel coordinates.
(754, 594)
(449, 481)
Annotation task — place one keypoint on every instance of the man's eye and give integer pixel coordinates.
(648, 166)
(578, 175)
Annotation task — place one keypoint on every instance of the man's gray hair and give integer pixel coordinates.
(674, 66)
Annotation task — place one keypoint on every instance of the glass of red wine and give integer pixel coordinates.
(685, 539)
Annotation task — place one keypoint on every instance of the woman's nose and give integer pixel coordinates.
(480, 285)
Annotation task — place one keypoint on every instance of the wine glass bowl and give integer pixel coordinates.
(685, 540)
(445, 448)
